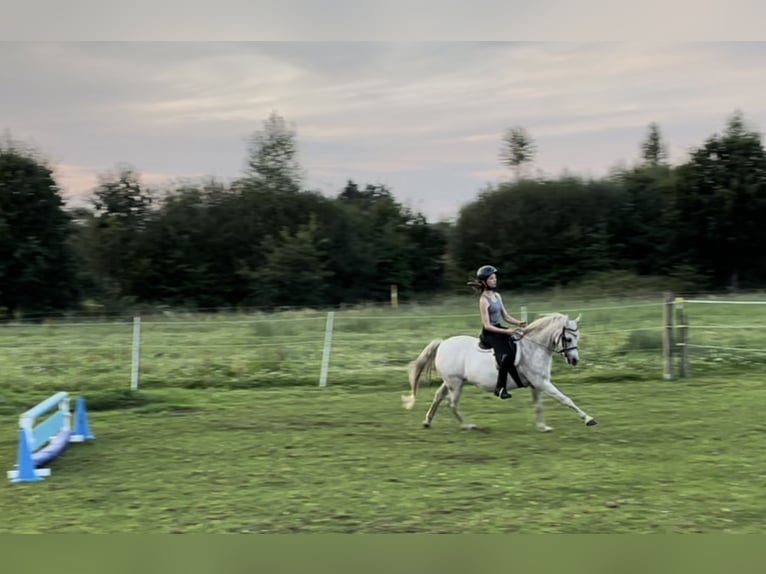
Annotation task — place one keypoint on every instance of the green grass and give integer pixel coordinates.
(229, 432)
(684, 458)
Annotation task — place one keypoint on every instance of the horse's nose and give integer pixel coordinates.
(574, 361)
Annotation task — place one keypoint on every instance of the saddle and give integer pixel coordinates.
(485, 346)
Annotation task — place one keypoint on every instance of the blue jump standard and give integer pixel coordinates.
(40, 443)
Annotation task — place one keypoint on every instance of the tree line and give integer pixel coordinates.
(265, 240)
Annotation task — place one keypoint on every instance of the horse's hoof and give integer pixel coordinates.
(545, 428)
(591, 422)
(469, 426)
(426, 425)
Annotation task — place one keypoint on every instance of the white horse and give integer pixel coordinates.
(461, 360)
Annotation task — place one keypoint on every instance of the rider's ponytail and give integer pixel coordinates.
(476, 285)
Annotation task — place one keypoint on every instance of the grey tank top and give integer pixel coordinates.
(495, 310)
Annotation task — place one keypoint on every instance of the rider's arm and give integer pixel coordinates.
(508, 317)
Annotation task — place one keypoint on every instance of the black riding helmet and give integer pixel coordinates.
(484, 272)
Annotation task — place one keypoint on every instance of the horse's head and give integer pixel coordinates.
(558, 333)
(567, 341)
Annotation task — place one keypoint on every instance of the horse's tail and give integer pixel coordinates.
(425, 361)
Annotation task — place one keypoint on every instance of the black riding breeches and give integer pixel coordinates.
(501, 343)
(505, 353)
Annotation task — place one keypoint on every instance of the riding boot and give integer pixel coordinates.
(512, 367)
(515, 374)
(502, 376)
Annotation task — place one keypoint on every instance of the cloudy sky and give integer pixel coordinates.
(424, 118)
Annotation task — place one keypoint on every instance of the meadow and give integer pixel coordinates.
(229, 431)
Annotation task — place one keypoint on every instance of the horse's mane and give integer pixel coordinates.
(546, 325)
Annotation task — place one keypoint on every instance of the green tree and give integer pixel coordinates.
(428, 260)
(537, 233)
(721, 205)
(122, 208)
(641, 226)
(179, 248)
(37, 266)
(518, 150)
(384, 247)
(295, 272)
(272, 156)
(653, 149)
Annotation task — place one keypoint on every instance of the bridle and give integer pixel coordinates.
(564, 349)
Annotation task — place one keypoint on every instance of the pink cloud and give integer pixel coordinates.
(78, 182)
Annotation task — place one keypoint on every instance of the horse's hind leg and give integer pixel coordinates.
(441, 392)
(456, 390)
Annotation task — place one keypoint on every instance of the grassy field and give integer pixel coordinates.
(229, 432)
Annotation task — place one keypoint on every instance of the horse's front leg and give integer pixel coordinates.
(537, 398)
(551, 389)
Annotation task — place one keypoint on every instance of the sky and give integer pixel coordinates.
(424, 118)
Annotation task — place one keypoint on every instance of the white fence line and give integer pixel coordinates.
(36, 348)
(748, 349)
(604, 332)
(243, 322)
(729, 327)
(31, 325)
(148, 332)
(684, 327)
(369, 368)
(609, 307)
(332, 319)
(720, 302)
(339, 316)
